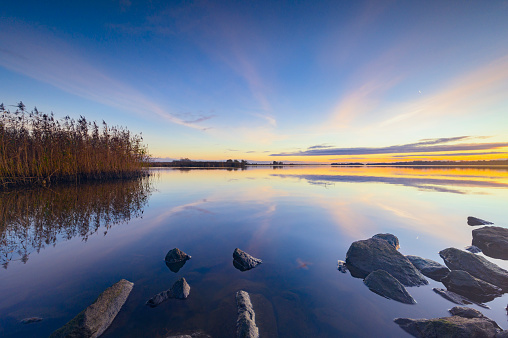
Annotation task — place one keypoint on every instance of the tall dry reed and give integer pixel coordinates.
(36, 148)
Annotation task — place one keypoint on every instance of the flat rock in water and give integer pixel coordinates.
(454, 326)
(493, 241)
(31, 320)
(95, 319)
(373, 254)
(246, 322)
(392, 239)
(179, 290)
(243, 261)
(456, 298)
(473, 221)
(384, 284)
(464, 284)
(477, 266)
(429, 268)
(473, 249)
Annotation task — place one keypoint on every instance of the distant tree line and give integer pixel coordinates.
(185, 162)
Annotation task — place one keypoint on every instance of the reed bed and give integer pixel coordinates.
(36, 148)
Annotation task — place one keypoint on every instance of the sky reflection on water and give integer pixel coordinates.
(299, 229)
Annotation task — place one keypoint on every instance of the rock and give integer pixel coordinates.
(392, 239)
(476, 221)
(384, 284)
(473, 249)
(477, 266)
(454, 326)
(31, 320)
(466, 312)
(176, 255)
(179, 290)
(456, 298)
(464, 284)
(429, 267)
(341, 266)
(175, 259)
(95, 319)
(493, 241)
(246, 322)
(190, 334)
(243, 261)
(372, 254)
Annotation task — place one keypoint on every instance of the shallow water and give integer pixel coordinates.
(299, 220)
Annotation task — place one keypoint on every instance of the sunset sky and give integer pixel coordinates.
(300, 81)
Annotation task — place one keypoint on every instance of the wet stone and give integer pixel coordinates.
(243, 261)
(366, 256)
(473, 221)
(429, 267)
(384, 284)
(464, 284)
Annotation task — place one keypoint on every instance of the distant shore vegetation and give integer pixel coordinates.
(431, 163)
(185, 162)
(38, 149)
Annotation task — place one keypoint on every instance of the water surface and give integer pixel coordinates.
(61, 247)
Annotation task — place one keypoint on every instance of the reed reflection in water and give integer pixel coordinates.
(33, 219)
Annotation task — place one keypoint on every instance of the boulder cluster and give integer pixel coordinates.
(468, 278)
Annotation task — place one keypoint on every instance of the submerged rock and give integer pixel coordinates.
(175, 259)
(464, 284)
(463, 323)
(473, 221)
(246, 322)
(341, 266)
(493, 241)
(179, 290)
(456, 298)
(243, 261)
(30, 320)
(190, 334)
(384, 284)
(429, 267)
(473, 249)
(95, 319)
(392, 239)
(476, 265)
(373, 254)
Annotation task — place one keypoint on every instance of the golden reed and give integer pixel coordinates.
(36, 148)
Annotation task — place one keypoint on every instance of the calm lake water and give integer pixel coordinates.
(61, 248)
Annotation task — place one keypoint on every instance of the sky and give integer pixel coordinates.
(291, 81)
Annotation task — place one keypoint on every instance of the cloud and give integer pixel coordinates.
(457, 154)
(40, 55)
(463, 95)
(271, 121)
(321, 146)
(423, 146)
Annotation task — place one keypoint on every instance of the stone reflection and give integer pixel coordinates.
(30, 220)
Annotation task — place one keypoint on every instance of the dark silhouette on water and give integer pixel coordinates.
(33, 219)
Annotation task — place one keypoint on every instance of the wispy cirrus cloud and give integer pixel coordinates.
(39, 54)
(423, 146)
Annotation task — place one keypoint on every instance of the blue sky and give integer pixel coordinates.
(267, 81)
